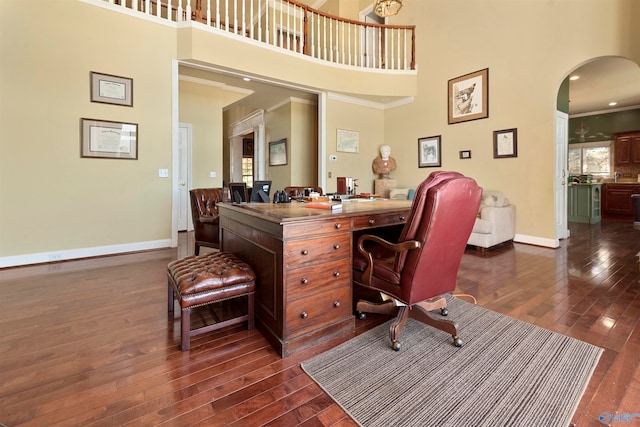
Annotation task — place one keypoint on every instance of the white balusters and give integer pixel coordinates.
(306, 30)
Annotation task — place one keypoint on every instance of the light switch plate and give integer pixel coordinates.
(212, 174)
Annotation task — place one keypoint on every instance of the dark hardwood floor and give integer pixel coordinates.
(88, 342)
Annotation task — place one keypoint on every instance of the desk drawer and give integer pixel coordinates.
(301, 282)
(309, 228)
(304, 252)
(316, 311)
(379, 220)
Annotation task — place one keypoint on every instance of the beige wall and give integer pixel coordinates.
(278, 126)
(529, 48)
(201, 106)
(369, 123)
(51, 199)
(303, 145)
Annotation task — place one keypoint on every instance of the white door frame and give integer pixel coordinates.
(254, 122)
(561, 146)
(185, 182)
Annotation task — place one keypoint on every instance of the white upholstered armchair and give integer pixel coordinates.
(496, 222)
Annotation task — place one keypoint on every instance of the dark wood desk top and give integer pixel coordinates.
(297, 211)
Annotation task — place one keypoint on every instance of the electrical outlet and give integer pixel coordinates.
(163, 173)
(212, 174)
(329, 174)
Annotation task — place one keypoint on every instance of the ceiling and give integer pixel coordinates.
(603, 81)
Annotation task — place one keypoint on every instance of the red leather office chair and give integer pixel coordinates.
(204, 212)
(423, 265)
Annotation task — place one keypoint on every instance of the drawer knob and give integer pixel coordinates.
(336, 273)
(304, 315)
(304, 252)
(336, 246)
(336, 304)
(402, 218)
(372, 221)
(304, 281)
(337, 226)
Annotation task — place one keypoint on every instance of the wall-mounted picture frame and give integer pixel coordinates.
(465, 154)
(469, 97)
(278, 153)
(109, 89)
(347, 141)
(108, 139)
(429, 154)
(505, 143)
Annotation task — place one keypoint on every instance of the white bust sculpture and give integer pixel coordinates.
(384, 163)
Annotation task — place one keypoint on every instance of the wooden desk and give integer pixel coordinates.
(302, 258)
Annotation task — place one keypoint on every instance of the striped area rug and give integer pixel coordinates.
(508, 373)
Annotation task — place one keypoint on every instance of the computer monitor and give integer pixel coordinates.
(260, 191)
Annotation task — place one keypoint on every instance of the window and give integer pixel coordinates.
(592, 158)
(247, 171)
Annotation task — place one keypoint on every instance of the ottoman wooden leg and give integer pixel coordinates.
(171, 298)
(250, 312)
(185, 329)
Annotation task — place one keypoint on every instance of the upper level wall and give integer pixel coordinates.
(202, 46)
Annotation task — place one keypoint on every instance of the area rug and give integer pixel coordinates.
(508, 373)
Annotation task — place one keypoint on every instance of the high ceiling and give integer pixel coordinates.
(603, 81)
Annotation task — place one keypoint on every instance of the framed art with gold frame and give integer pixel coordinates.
(469, 97)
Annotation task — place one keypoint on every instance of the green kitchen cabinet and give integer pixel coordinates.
(583, 203)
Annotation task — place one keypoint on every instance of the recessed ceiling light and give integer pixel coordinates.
(574, 77)
(246, 79)
(611, 104)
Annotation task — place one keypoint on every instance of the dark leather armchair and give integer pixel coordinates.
(204, 211)
(423, 264)
(294, 191)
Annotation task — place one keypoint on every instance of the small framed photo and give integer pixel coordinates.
(505, 143)
(429, 152)
(107, 139)
(469, 97)
(465, 154)
(278, 153)
(109, 89)
(347, 141)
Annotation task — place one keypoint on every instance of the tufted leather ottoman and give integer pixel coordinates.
(199, 280)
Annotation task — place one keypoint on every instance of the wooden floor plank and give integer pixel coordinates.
(90, 342)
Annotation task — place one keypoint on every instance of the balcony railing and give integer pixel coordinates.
(290, 25)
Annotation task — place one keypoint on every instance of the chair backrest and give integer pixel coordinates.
(204, 202)
(441, 219)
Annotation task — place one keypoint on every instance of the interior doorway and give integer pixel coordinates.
(183, 163)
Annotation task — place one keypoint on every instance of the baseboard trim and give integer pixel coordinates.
(537, 241)
(70, 254)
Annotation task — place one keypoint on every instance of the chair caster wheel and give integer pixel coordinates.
(395, 345)
(444, 311)
(360, 315)
(457, 342)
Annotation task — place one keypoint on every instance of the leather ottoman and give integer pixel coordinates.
(204, 279)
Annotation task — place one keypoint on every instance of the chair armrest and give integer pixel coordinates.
(393, 247)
